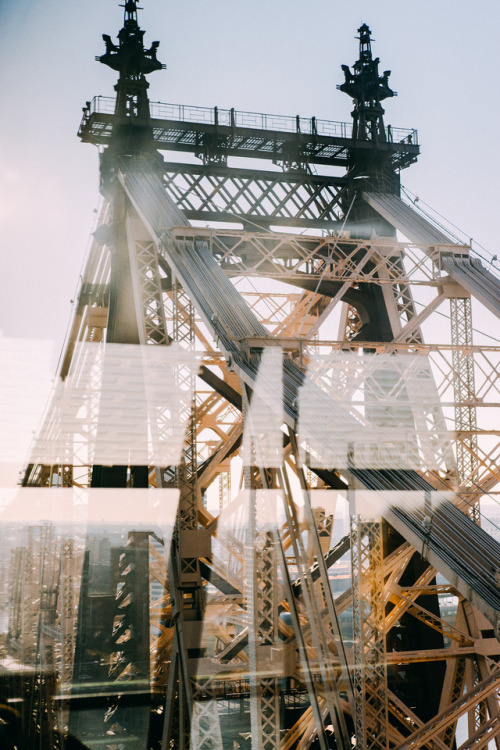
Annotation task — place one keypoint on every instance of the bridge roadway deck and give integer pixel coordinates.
(463, 552)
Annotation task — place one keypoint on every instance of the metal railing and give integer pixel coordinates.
(253, 120)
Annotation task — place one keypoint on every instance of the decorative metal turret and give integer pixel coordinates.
(131, 130)
(368, 89)
(371, 166)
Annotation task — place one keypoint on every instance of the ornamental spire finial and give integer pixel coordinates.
(368, 89)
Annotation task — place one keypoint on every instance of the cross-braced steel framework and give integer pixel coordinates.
(249, 640)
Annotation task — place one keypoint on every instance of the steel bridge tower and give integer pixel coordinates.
(248, 641)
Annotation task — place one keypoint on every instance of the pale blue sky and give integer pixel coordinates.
(279, 56)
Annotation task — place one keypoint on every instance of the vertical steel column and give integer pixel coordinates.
(265, 603)
(464, 394)
(324, 623)
(262, 607)
(183, 334)
(350, 322)
(67, 620)
(370, 670)
(453, 688)
(205, 732)
(224, 488)
(478, 716)
(43, 716)
(262, 634)
(178, 717)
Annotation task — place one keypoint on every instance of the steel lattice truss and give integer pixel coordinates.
(284, 314)
(218, 428)
(244, 619)
(292, 199)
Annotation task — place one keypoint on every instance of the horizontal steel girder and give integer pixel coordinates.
(286, 256)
